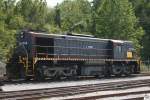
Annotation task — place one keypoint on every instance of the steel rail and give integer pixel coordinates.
(114, 95)
(72, 90)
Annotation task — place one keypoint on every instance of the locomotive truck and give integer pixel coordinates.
(39, 55)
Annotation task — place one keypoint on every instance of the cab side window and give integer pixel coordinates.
(118, 49)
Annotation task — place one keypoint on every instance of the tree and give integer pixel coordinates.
(116, 19)
(6, 33)
(105, 18)
(34, 13)
(142, 10)
(75, 12)
(30, 14)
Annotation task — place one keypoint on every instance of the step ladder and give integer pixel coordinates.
(29, 69)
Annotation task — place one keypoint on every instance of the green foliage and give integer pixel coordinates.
(30, 14)
(75, 12)
(105, 18)
(116, 19)
(34, 12)
(142, 9)
(6, 33)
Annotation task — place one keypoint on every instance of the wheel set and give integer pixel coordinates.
(119, 70)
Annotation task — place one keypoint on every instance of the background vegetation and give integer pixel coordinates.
(115, 19)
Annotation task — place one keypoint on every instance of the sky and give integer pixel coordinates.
(53, 3)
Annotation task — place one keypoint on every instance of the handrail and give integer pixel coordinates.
(71, 48)
(72, 55)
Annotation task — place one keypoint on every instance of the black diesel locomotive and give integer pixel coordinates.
(39, 55)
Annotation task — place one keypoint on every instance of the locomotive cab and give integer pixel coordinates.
(124, 61)
(122, 49)
(118, 52)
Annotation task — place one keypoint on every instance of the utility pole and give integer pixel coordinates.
(58, 17)
(93, 11)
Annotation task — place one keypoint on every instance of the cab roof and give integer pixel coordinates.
(44, 34)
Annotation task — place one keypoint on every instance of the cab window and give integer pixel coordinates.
(118, 49)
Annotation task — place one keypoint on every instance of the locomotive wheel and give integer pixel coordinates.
(117, 70)
(57, 76)
(127, 70)
(74, 74)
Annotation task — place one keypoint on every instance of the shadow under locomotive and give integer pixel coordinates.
(39, 55)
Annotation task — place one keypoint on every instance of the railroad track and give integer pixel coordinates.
(72, 90)
(114, 95)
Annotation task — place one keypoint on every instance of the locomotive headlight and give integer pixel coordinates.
(129, 54)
